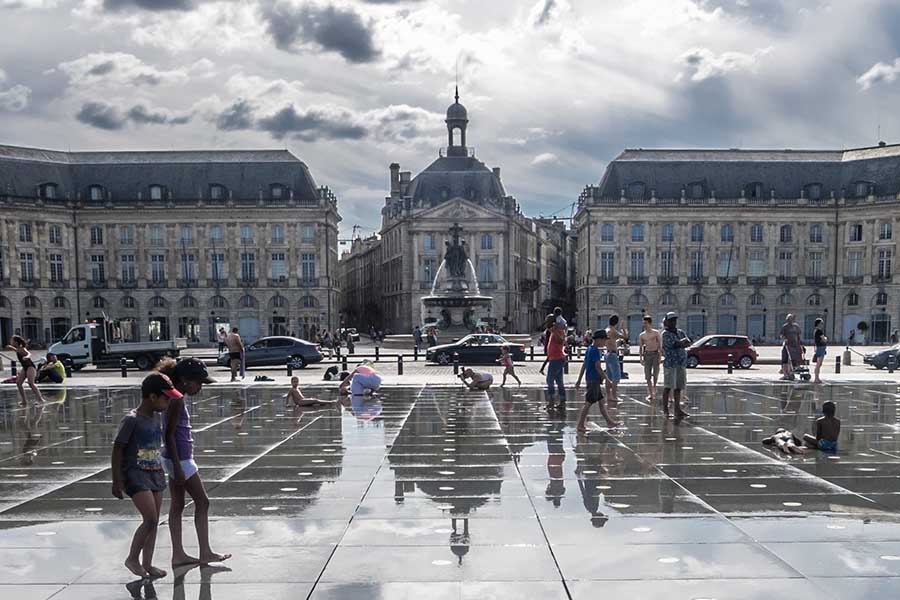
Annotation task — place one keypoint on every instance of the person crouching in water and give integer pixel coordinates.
(509, 367)
(362, 380)
(476, 380)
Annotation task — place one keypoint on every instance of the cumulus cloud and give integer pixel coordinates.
(123, 69)
(879, 73)
(102, 115)
(236, 117)
(28, 4)
(295, 27)
(703, 63)
(14, 98)
(153, 5)
(544, 159)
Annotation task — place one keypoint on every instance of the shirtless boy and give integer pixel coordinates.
(651, 357)
(299, 400)
(613, 367)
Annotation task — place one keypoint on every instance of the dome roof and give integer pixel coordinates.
(457, 112)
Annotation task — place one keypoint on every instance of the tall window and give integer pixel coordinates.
(248, 266)
(667, 232)
(278, 234)
(429, 266)
(428, 241)
(856, 232)
(216, 234)
(308, 233)
(56, 267)
(55, 233)
(98, 268)
(126, 235)
(637, 263)
(854, 263)
(279, 266)
(308, 267)
(785, 263)
(156, 192)
(156, 235)
(25, 232)
(852, 299)
(246, 234)
(814, 265)
(216, 192)
(815, 233)
(884, 263)
(128, 270)
(187, 234)
(158, 268)
(881, 299)
(756, 263)
(696, 264)
(607, 265)
(27, 263)
(756, 233)
(97, 235)
(884, 231)
(667, 263)
(637, 232)
(95, 192)
(487, 242)
(607, 232)
(486, 270)
(787, 234)
(862, 189)
(218, 265)
(757, 300)
(724, 265)
(697, 232)
(188, 266)
(727, 233)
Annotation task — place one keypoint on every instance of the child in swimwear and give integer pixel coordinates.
(509, 367)
(828, 428)
(299, 400)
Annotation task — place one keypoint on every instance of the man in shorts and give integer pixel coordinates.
(592, 371)
(235, 349)
(613, 366)
(674, 342)
(651, 344)
(791, 351)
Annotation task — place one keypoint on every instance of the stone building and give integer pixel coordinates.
(168, 243)
(360, 282)
(519, 261)
(733, 240)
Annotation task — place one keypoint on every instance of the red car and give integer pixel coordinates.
(714, 350)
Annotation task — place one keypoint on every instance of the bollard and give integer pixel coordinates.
(532, 353)
(415, 354)
(730, 364)
(123, 364)
(399, 364)
(377, 353)
(343, 363)
(337, 350)
(456, 363)
(847, 356)
(290, 367)
(837, 364)
(891, 363)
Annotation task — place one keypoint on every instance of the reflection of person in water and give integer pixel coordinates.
(31, 417)
(591, 473)
(238, 408)
(459, 541)
(206, 573)
(556, 457)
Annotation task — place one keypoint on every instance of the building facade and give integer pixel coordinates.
(519, 261)
(733, 240)
(169, 244)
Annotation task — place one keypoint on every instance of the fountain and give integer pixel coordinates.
(455, 304)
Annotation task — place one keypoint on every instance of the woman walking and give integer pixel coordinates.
(18, 345)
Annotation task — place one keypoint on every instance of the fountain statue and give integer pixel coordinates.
(455, 302)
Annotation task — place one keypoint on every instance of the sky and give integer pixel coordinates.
(555, 89)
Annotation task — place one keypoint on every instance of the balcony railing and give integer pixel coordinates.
(816, 280)
(127, 284)
(853, 278)
(757, 279)
(97, 284)
(885, 278)
(187, 283)
(278, 282)
(248, 282)
(786, 280)
(308, 282)
(602, 280)
(157, 283)
(698, 279)
(667, 280)
(638, 280)
(59, 283)
(29, 283)
(726, 280)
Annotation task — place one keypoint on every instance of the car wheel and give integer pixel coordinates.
(879, 366)
(443, 358)
(143, 362)
(692, 362)
(746, 362)
(297, 362)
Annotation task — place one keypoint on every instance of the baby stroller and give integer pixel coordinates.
(802, 370)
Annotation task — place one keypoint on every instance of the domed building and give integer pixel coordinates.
(519, 261)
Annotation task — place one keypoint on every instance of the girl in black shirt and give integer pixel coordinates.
(821, 343)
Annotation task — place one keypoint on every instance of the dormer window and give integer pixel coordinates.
(156, 192)
(813, 191)
(47, 191)
(696, 190)
(276, 191)
(753, 190)
(216, 192)
(95, 193)
(861, 189)
(636, 191)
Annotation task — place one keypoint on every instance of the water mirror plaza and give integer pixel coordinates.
(431, 491)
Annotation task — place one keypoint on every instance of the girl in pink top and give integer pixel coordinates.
(509, 367)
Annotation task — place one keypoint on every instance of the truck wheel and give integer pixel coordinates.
(143, 362)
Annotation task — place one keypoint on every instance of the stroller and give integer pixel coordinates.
(802, 369)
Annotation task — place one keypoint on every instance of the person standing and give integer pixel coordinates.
(221, 338)
(28, 371)
(417, 338)
(235, 350)
(592, 371)
(556, 365)
(674, 342)
(613, 365)
(821, 343)
(895, 337)
(650, 344)
(791, 351)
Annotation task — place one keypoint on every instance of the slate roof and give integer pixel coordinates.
(462, 177)
(184, 173)
(667, 171)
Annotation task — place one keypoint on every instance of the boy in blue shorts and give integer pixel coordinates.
(828, 428)
(592, 371)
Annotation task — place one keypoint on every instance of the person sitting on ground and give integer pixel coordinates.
(479, 379)
(53, 370)
(296, 397)
(362, 380)
(785, 441)
(828, 428)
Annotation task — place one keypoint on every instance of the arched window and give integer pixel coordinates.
(727, 300)
(31, 302)
(852, 299)
(4, 303)
(157, 192)
(248, 301)
(756, 233)
(607, 299)
(881, 299)
(487, 242)
(667, 299)
(278, 302)
(59, 302)
(815, 233)
(757, 300)
(99, 302)
(309, 302)
(188, 302)
(814, 300)
(158, 302)
(637, 232)
(218, 302)
(636, 190)
(607, 233)
(697, 300)
(727, 233)
(638, 300)
(787, 234)
(128, 302)
(696, 232)
(786, 299)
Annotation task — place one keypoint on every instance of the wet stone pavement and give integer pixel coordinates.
(439, 493)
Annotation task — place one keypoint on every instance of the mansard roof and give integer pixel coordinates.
(460, 176)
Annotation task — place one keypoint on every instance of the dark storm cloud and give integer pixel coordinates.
(111, 118)
(153, 5)
(237, 116)
(309, 125)
(139, 114)
(102, 68)
(333, 29)
(147, 79)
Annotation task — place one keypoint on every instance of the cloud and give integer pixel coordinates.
(236, 117)
(544, 159)
(28, 4)
(151, 5)
(126, 70)
(879, 73)
(704, 63)
(311, 124)
(14, 98)
(106, 116)
(330, 28)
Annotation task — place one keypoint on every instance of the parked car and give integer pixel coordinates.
(879, 358)
(481, 348)
(714, 350)
(275, 351)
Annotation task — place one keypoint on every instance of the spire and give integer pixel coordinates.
(456, 96)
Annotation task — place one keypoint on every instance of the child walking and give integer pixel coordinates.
(592, 371)
(28, 372)
(137, 470)
(509, 367)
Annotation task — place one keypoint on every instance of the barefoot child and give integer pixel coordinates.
(296, 397)
(28, 372)
(592, 371)
(137, 470)
(828, 428)
(509, 368)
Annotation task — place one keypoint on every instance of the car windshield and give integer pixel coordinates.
(704, 340)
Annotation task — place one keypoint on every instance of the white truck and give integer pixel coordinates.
(93, 343)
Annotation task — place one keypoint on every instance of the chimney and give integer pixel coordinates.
(395, 180)
(404, 182)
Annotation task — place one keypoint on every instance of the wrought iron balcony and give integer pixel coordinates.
(158, 283)
(638, 280)
(786, 280)
(29, 283)
(882, 278)
(59, 283)
(667, 280)
(127, 284)
(278, 282)
(757, 280)
(726, 280)
(248, 282)
(187, 283)
(698, 280)
(607, 280)
(817, 280)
